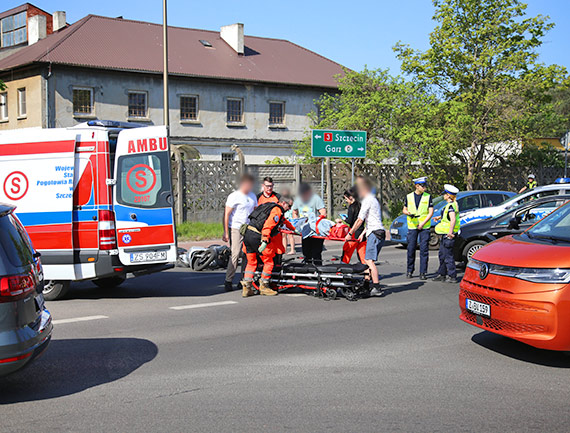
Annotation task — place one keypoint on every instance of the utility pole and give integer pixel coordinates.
(165, 65)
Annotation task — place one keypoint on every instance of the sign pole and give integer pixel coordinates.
(322, 178)
(352, 181)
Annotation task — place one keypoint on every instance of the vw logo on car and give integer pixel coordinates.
(484, 271)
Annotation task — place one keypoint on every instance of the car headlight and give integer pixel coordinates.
(546, 276)
(474, 264)
(534, 275)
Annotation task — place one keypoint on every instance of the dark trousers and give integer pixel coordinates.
(446, 260)
(415, 236)
(313, 250)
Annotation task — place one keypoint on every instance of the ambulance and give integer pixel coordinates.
(96, 200)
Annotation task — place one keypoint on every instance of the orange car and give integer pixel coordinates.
(519, 286)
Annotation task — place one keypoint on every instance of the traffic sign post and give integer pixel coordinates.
(330, 143)
(327, 143)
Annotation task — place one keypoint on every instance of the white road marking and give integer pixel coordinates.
(295, 295)
(206, 304)
(78, 319)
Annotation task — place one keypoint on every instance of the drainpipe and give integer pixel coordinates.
(48, 75)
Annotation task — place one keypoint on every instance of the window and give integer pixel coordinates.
(235, 110)
(468, 203)
(491, 199)
(229, 156)
(3, 106)
(14, 30)
(137, 105)
(188, 108)
(277, 113)
(144, 180)
(82, 101)
(22, 111)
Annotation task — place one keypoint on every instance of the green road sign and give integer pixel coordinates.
(338, 144)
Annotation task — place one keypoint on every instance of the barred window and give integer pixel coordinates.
(235, 110)
(188, 108)
(276, 113)
(137, 105)
(82, 101)
(228, 156)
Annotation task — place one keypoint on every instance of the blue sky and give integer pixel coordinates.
(355, 34)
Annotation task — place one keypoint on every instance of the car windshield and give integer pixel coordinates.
(555, 227)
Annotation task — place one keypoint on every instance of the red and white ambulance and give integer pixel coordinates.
(96, 200)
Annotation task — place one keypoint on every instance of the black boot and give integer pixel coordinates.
(423, 277)
(228, 286)
(376, 290)
(409, 275)
(439, 278)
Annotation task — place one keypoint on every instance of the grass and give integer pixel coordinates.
(198, 231)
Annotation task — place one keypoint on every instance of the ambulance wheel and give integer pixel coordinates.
(109, 283)
(54, 290)
(330, 294)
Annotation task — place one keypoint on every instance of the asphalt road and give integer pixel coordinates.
(283, 364)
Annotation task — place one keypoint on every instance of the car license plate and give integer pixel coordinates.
(148, 256)
(478, 307)
(393, 231)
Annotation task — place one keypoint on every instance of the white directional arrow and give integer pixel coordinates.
(318, 136)
(361, 148)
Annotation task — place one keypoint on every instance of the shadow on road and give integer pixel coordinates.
(72, 366)
(404, 287)
(522, 352)
(162, 284)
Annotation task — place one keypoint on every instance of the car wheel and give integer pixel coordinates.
(471, 248)
(109, 283)
(433, 240)
(54, 290)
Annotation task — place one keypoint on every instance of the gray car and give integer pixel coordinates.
(25, 324)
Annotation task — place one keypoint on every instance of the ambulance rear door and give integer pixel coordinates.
(143, 197)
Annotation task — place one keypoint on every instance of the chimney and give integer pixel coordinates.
(233, 35)
(59, 20)
(37, 28)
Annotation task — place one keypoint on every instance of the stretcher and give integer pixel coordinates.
(326, 281)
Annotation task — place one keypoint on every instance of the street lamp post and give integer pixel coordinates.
(165, 64)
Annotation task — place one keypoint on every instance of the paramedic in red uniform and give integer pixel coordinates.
(263, 236)
(267, 195)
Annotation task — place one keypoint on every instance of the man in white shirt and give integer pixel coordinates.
(375, 233)
(239, 205)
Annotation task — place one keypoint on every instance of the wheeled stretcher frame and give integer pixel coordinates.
(324, 281)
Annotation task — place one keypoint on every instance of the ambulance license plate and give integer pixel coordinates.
(148, 256)
(478, 307)
(394, 231)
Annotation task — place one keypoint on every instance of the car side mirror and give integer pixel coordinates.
(513, 224)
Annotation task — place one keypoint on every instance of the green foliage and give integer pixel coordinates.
(198, 231)
(482, 65)
(396, 114)
(2, 85)
(278, 160)
(542, 155)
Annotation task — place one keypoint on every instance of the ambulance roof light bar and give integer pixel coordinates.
(114, 124)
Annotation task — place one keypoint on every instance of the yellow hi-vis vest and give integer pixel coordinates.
(443, 227)
(422, 211)
(532, 185)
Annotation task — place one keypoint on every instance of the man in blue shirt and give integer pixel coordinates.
(306, 203)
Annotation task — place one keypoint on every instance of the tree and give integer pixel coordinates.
(483, 65)
(397, 115)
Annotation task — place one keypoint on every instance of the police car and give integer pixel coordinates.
(561, 187)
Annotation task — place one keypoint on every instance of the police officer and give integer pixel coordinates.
(419, 209)
(531, 184)
(448, 229)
